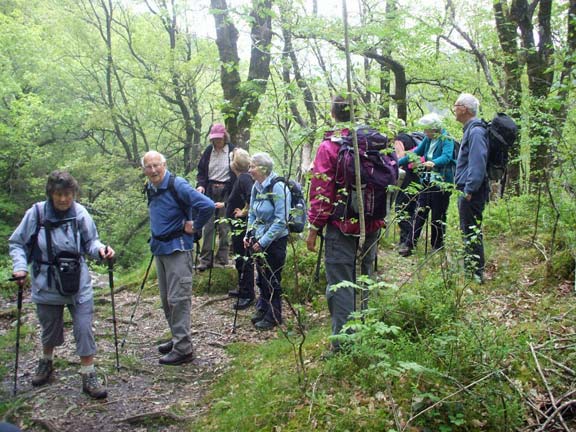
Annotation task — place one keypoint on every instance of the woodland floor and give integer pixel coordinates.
(143, 395)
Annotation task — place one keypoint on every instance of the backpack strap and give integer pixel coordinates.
(174, 192)
(172, 189)
(48, 228)
(33, 250)
(270, 188)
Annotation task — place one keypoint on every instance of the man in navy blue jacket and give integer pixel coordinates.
(472, 181)
(172, 241)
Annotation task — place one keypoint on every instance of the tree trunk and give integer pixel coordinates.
(243, 99)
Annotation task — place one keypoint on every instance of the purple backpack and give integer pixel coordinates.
(378, 170)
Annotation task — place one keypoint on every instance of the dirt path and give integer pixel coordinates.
(143, 395)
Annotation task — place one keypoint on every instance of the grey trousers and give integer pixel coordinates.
(51, 318)
(175, 285)
(220, 257)
(340, 266)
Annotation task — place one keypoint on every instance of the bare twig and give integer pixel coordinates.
(528, 400)
(451, 395)
(557, 412)
(312, 397)
(557, 363)
(550, 394)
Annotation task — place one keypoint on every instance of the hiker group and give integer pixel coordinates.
(242, 197)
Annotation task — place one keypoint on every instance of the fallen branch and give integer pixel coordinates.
(46, 424)
(550, 394)
(557, 412)
(528, 400)
(154, 415)
(557, 363)
(211, 301)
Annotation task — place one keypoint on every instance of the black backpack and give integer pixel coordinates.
(501, 135)
(298, 215)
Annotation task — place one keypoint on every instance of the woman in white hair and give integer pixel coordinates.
(437, 174)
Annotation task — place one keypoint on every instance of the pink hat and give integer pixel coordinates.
(217, 131)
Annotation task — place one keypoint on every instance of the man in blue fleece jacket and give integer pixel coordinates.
(172, 228)
(471, 179)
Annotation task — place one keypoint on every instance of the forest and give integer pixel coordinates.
(89, 86)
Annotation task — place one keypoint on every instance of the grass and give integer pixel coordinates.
(464, 357)
(438, 352)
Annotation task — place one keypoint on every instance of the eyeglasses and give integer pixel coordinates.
(457, 105)
(152, 166)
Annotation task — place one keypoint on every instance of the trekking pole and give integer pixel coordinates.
(19, 313)
(137, 301)
(319, 259)
(247, 258)
(111, 283)
(212, 253)
(426, 237)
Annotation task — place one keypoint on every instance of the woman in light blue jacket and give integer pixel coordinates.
(53, 238)
(267, 236)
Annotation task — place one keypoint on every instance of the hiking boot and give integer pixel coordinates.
(405, 250)
(243, 303)
(234, 293)
(258, 316)
(43, 372)
(166, 347)
(92, 387)
(203, 267)
(174, 358)
(265, 325)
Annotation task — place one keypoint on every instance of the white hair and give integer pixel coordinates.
(263, 161)
(431, 121)
(470, 102)
(152, 153)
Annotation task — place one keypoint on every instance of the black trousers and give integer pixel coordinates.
(244, 266)
(269, 279)
(406, 205)
(471, 226)
(434, 200)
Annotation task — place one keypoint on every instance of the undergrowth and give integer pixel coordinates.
(438, 352)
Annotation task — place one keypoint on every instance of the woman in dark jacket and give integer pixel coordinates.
(405, 202)
(237, 213)
(437, 150)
